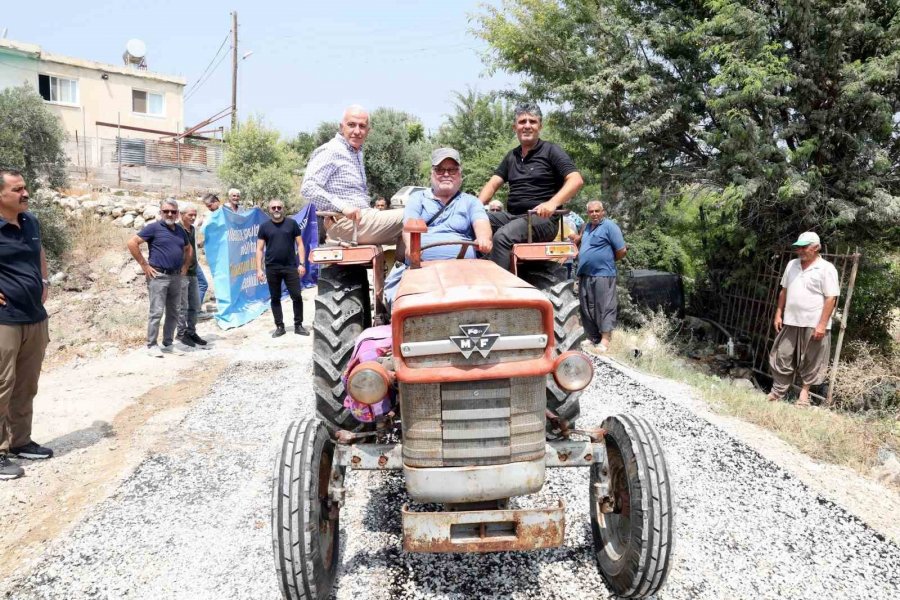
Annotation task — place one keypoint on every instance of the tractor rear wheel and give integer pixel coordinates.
(551, 278)
(632, 518)
(343, 311)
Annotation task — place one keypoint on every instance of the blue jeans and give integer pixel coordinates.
(202, 284)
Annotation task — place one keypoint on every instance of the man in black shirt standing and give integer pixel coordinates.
(23, 322)
(280, 239)
(541, 177)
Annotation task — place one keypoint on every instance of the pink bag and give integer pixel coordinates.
(371, 344)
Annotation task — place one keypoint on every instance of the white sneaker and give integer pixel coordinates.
(154, 351)
(171, 349)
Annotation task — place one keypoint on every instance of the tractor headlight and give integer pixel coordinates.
(368, 382)
(573, 371)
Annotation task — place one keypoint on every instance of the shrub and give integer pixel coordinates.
(31, 138)
(259, 163)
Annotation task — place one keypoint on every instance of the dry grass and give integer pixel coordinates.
(842, 438)
(106, 312)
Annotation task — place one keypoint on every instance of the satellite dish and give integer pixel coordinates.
(135, 51)
(136, 48)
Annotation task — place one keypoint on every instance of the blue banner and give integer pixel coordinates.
(309, 229)
(230, 244)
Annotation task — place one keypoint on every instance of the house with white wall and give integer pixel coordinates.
(88, 96)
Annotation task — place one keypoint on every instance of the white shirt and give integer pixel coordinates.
(807, 290)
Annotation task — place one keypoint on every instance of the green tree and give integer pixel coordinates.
(393, 155)
(780, 115)
(31, 137)
(480, 128)
(259, 163)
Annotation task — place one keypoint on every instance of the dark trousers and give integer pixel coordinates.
(513, 229)
(598, 304)
(275, 276)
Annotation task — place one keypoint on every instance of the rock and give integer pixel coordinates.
(151, 211)
(139, 222)
(888, 472)
(129, 273)
(743, 383)
(57, 278)
(127, 220)
(117, 212)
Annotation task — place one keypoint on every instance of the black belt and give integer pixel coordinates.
(166, 271)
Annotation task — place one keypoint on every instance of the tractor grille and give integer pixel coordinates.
(473, 423)
(517, 321)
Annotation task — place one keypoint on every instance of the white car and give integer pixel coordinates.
(399, 199)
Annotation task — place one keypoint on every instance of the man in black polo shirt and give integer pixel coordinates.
(23, 322)
(541, 177)
(280, 239)
(170, 256)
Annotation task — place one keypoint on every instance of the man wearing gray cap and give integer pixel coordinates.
(449, 214)
(809, 292)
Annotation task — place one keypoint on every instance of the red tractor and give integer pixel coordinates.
(486, 370)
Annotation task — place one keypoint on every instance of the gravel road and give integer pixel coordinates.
(192, 521)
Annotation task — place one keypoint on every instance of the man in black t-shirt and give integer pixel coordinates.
(541, 177)
(280, 240)
(23, 323)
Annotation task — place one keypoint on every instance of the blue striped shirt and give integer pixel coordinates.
(336, 177)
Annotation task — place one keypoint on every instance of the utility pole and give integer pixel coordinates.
(234, 68)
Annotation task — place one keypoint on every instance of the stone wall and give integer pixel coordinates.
(122, 208)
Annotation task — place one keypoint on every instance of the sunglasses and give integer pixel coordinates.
(169, 212)
(276, 208)
(450, 171)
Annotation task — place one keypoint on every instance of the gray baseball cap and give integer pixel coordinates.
(441, 153)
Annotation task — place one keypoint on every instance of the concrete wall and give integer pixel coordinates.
(108, 100)
(17, 69)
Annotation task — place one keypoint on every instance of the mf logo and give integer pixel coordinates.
(476, 338)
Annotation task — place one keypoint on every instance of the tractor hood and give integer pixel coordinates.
(443, 282)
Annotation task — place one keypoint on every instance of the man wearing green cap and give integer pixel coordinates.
(809, 291)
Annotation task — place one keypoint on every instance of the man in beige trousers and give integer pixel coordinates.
(809, 291)
(335, 181)
(23, 323)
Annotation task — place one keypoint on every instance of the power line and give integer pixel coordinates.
(216, 55)
(200, 84)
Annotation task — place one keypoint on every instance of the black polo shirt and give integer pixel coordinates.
(536, 178)
(281, 242)
(20, 271)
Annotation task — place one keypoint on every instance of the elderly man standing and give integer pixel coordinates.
(23, 322)
(541, 177)
(449, 214)
(234, 199)
(335, 181)
(809, 292)
(170, 257)
(602, 245)
(186, 332)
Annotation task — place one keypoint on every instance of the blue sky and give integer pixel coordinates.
(310, 59)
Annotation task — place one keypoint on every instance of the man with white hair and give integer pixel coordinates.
(335, 181)
(234, 199)
(809, 292)
(169, 258)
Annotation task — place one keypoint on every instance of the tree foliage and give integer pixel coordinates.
(481, 129)
(258, 163)
(394, 151)
(31, 137)
(776, 117)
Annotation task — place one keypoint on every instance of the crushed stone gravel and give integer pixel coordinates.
(193, 520)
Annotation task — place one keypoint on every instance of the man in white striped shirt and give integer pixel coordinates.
(335, 181)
